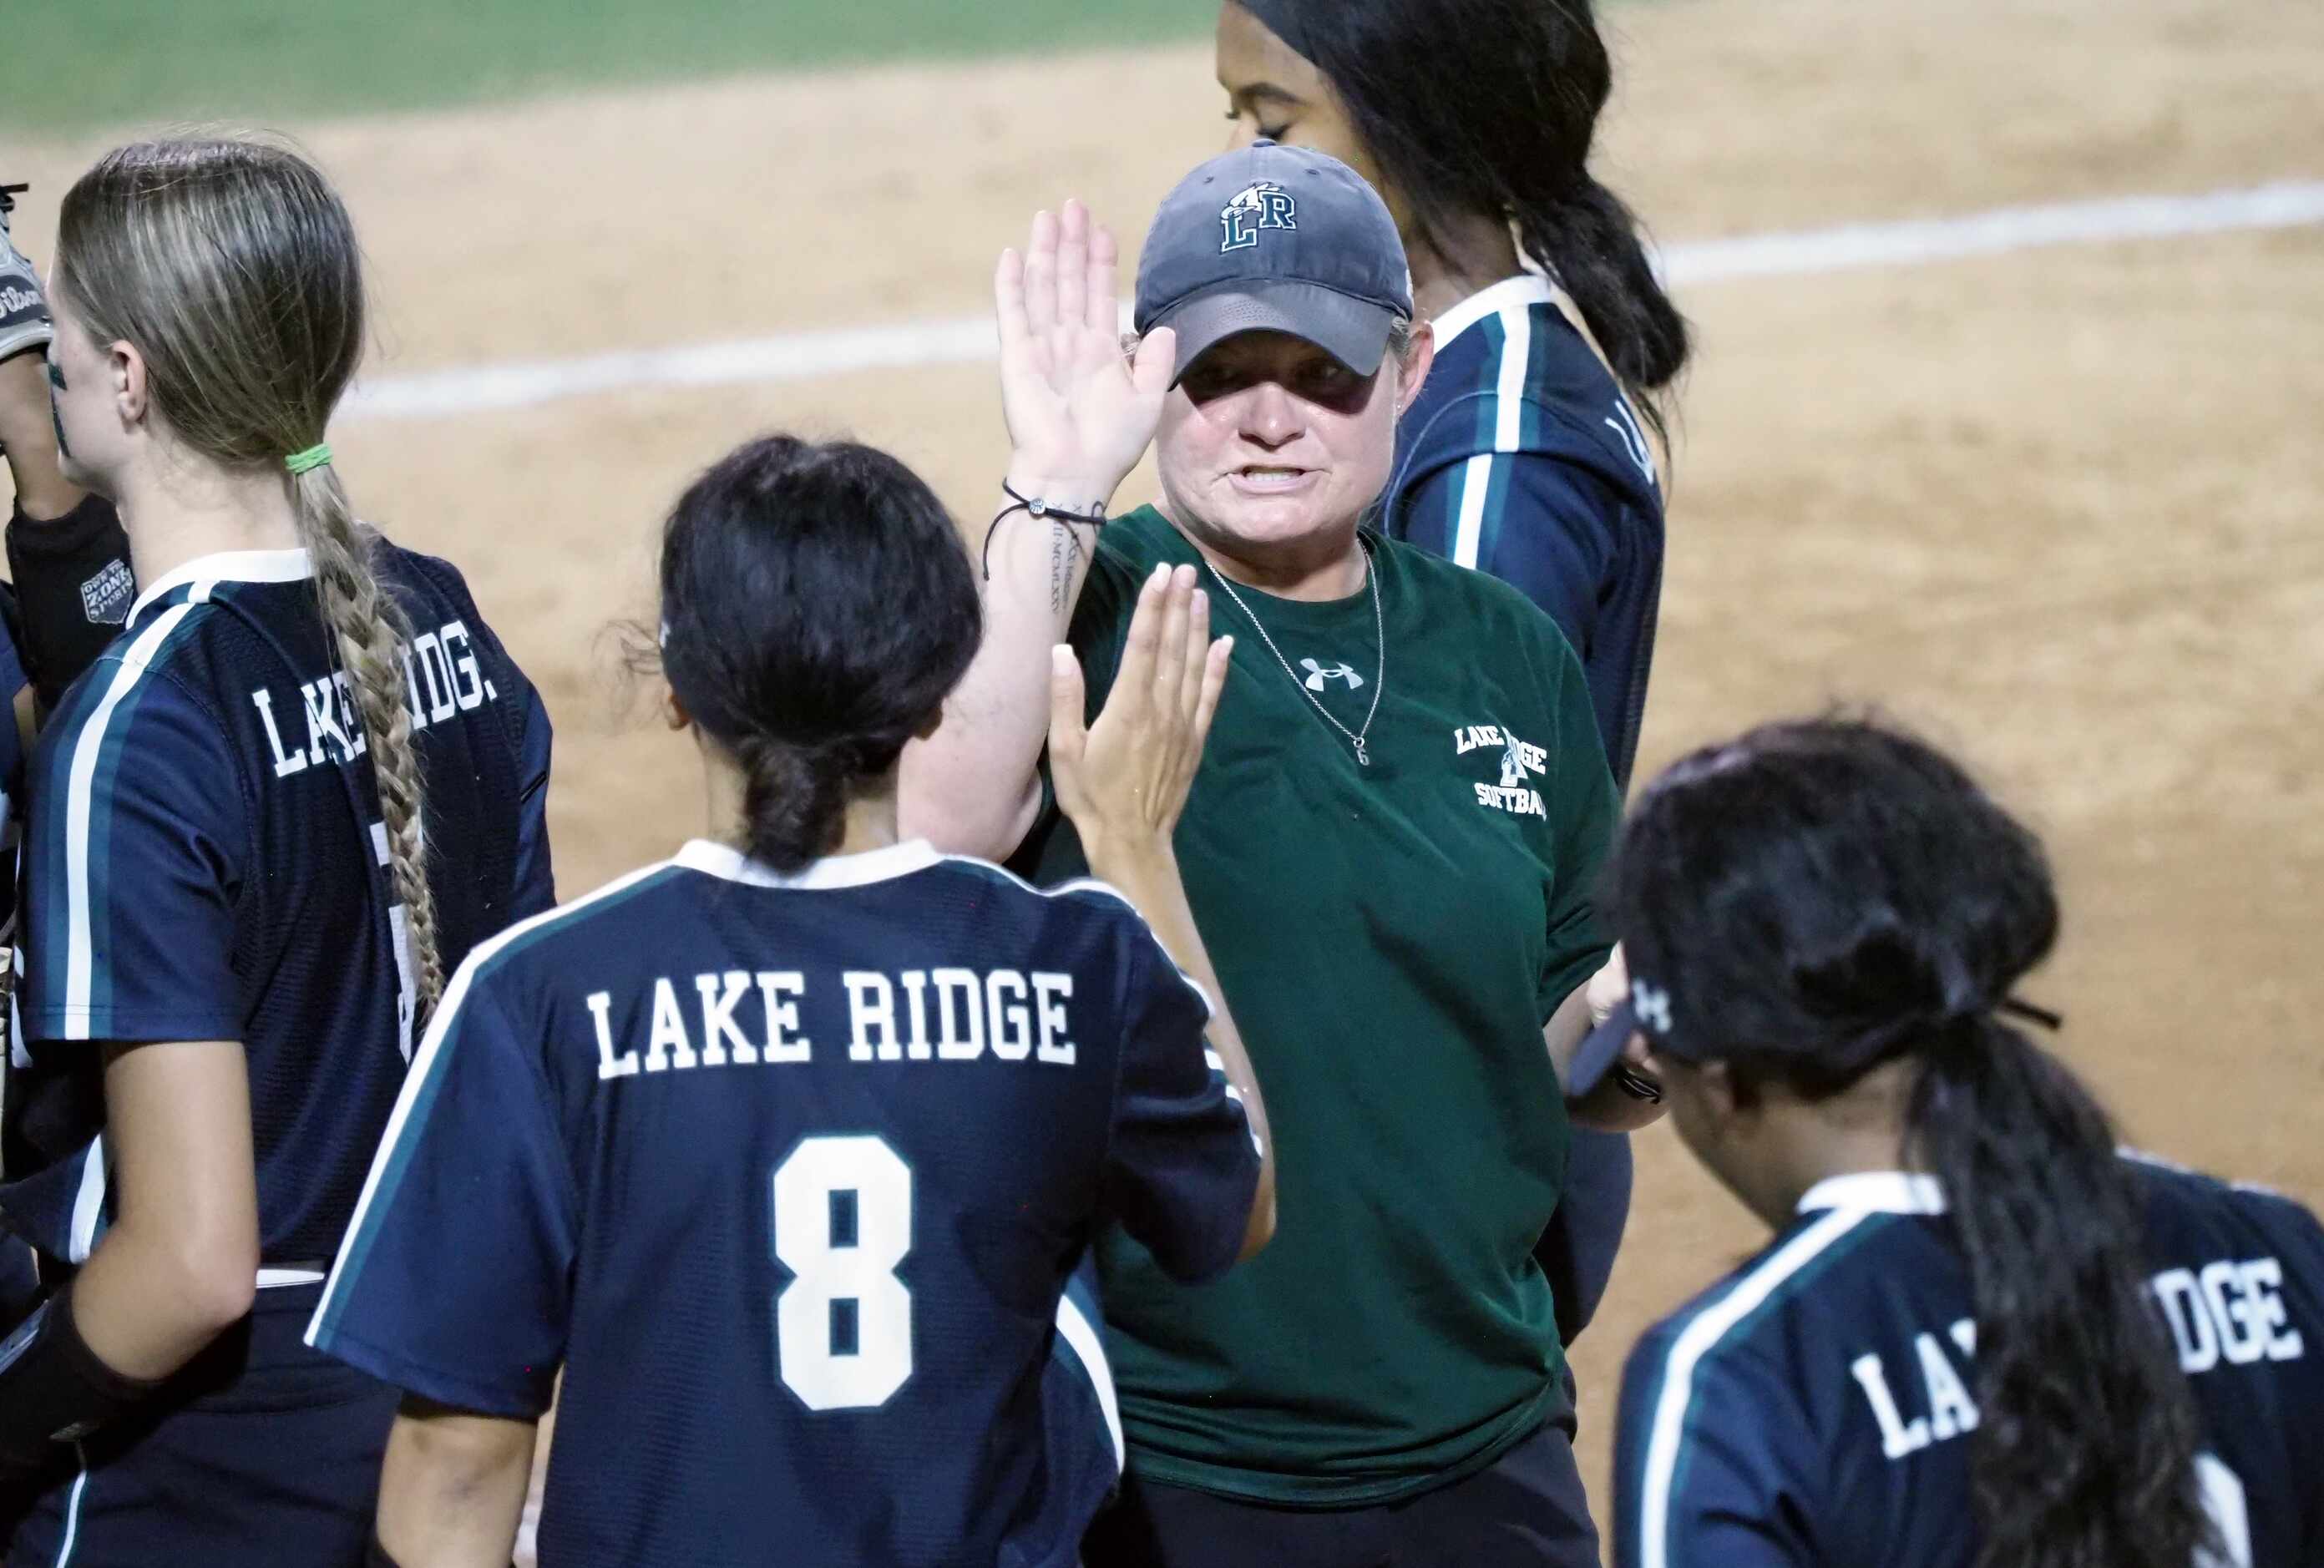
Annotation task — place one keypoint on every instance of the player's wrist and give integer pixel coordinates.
(1132, 860)
(26, 423)
(1060, 487)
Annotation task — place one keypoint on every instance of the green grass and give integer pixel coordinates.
(75, 64)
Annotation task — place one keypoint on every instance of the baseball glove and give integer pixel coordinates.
(25, 324)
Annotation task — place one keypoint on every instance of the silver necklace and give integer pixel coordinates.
(1379, 632)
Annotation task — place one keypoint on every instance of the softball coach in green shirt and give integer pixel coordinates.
(1390, 848)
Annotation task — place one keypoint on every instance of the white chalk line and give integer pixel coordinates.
(915, 345)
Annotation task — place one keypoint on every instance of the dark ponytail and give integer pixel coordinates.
(1822, 898)
(1490, 106)
(1588, 240)
(794, 799)
(816, 609)
(2085, 1453)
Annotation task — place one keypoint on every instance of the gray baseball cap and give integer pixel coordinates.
(1280, 239)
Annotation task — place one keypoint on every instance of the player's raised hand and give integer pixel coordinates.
(1123, 781)
(1080, 413)
(24, 323)
(28, 429)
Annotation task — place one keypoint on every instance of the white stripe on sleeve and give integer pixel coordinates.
(1081, 1338)
(80, 959)
(1508, 424)
(1698, 1339)
(88, 1203)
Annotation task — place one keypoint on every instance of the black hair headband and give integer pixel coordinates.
(1287, 22)
(1647, 1011)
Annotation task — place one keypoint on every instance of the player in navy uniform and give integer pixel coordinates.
(783, 1148)
(28, 443)
(67, 538)
(19, 1284)
(68, 558)
(1981, 1335)
(1525, 453)
(232, 914)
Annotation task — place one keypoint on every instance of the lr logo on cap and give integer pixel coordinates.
(1265, 204)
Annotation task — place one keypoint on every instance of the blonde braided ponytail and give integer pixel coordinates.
(367, 627)
(232, 265)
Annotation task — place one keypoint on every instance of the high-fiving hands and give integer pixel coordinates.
(1122, 781)
(1080, 411)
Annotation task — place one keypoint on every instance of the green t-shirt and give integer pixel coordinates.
(1391, 938)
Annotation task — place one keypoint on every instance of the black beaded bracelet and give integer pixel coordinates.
(1035, 507)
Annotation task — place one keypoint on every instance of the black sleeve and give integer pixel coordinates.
(74, 589)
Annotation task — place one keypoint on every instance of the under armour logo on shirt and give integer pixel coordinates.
(1317, 674)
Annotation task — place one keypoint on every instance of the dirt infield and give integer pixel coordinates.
(2065, 510)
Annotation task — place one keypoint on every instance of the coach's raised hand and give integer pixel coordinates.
(1080, 413)
(1080, 416)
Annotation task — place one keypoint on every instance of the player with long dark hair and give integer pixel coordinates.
(304, 779)
(783, 1148)
(1526, 453)
(1981, 1335)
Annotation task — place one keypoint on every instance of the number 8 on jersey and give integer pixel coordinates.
(842, 1223)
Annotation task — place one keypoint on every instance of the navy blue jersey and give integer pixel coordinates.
(789, 1173)
(204, 861)
(1815, 1405)
(1521, 457)
(17, 1282)
(13, 680)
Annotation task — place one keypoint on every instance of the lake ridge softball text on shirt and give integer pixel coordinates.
(442, 679)
(747, 1019)
(1520, 763)
(2230, 1310)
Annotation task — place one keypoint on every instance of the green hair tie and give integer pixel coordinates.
(314, 456)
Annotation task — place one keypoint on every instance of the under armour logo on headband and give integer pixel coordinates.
(1650, 1005)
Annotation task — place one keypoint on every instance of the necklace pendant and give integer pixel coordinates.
(1362, 759)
